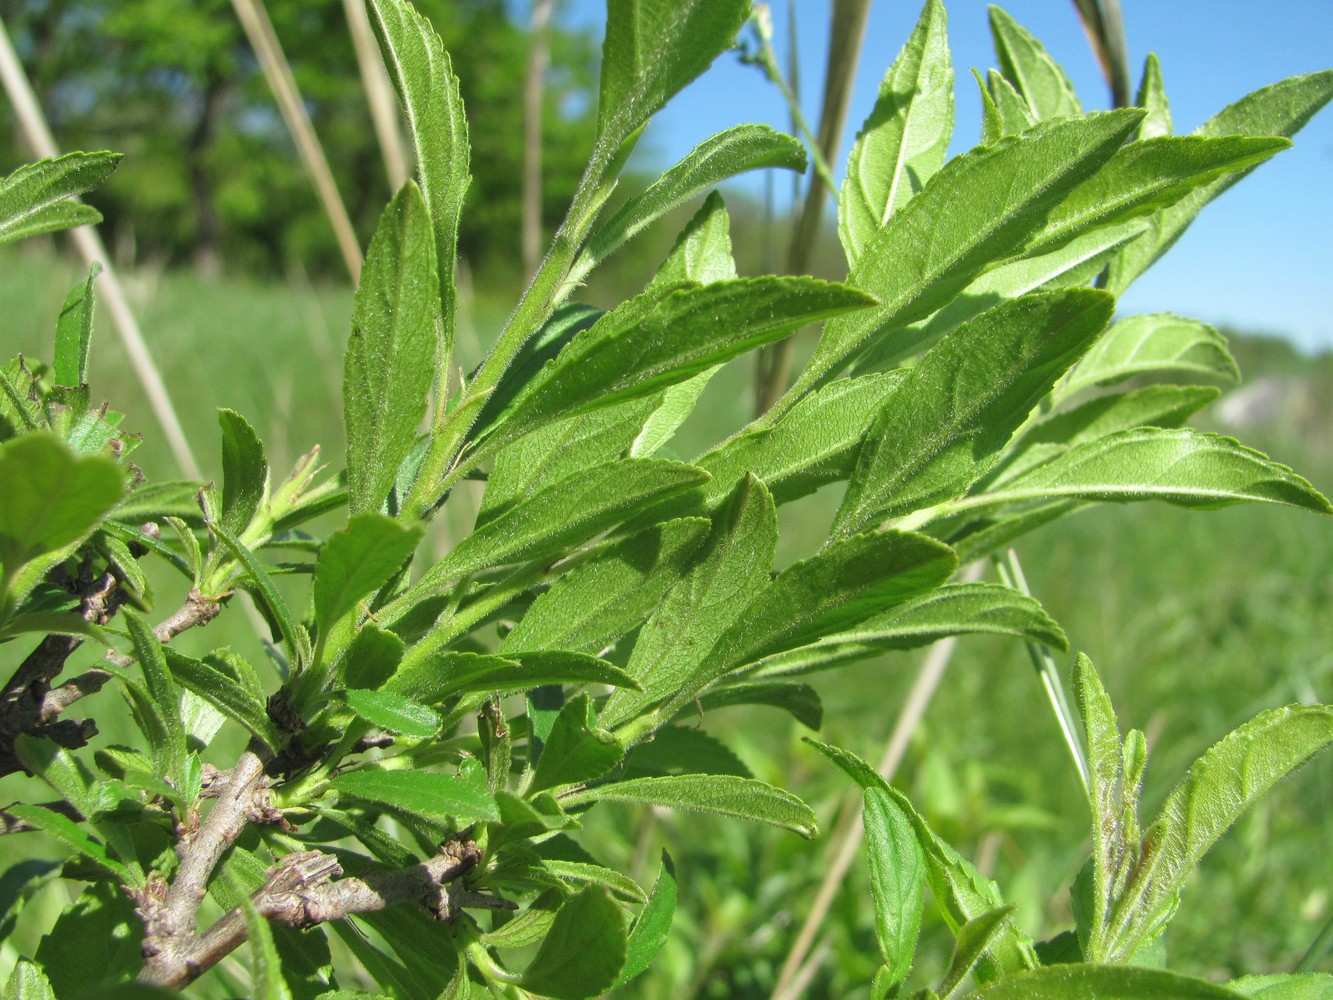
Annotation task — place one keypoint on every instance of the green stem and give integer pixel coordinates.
(1011, 574)
(1319, 948)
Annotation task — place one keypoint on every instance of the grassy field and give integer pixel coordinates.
(1195, 620)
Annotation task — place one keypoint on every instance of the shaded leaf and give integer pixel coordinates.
(576, 750)
(1153, 344)
(1030, 68)
(800, 700)
(650, 930)
(72, 835)
(897, 881)
(74, 332)
(1106, 982)
(726, 794)
(356, 562)
(583, 951)
(431, 680)
(266, 981)
(244, 471)
(973, 939)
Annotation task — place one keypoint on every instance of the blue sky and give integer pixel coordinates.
(1259, 258)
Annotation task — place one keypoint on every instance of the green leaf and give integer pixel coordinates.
(683, 749)
(434, 679)
(600, 600)
(1030, 68)
(1152, 96)
(272, 600)
(169, 750)
(725, 794)
(387, 371)
(74, 332)
(652, 49)
(51, 499)
(27, 982)
(96, 942)
(953, 609)
(973, 939)
(244, 471)
(356, 562)
(584, 949)
(1219, 786)
(735, 151)
(1152, 406)
(816, 443)
(393, 712)
(34, 198)
(959, 889)
(656, 340)
(979, 210)
(72, 835)
(946, 423)
(1149, 345)
(582, 873)
(576, 750)
(56, 766)
(897, 881)
(1281, 109)
(563, 516)
(800, 700)
(1149, 175)
(1012, 115)
(905, 138)
(702, 251)
(266, 982)
(1279, 986)
(1105, 982)
(209, 680)
(650, 930)
(436, 120)
(671, 647)
(437, 798)
(1184, 467)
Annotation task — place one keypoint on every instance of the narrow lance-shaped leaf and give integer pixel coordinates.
(577, 749)
(225, 693)
(649, 932)
(905, 138)
(264, 588)
(976, 212)
(725, 794)
(946, 423)
(1152, 97)
(436, 678)
(954, 609)
(1106, 982)
(266, 980)
(745, 147)
(1152, 344)
(655, 340)
(434, 797)
(393, 713)
(973, 938)
(391, 352)
(897, 881)
(1180, 466)
(169, 754)
(1281, 109)
(1012, 113)
(74, 332)
(35, 198)
(244, 471)
(1030, 68)
(428, 90)
(1219, 786)
(736, 560)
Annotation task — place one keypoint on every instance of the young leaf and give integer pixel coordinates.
(266, 981)
(1012, 114)
(391, 352)
(702, 251)
(946, 423)
(27, 982)
(974, 937)
(437, 798)
(1184, 467)
(745, 147)
(35, 198)
(977, 211)
(273, 602)
(428, 90)
(1152, 344)
(563, 516)
(695, 613)
(74, 332)
(652, 49)
(1152, 406)
(962, 892)
(726, 794)
(656, 340)
(905, 139)
(1281, 109)
(393, 712)
(584, 873)
(1106, 982)
(897, 881)
(169, 753)
(576, 750)
(584, 949)
(598, 601)
(356, 562)
(1152, 96)
(954, 609)
(1030, 68)
(1219, 786)
(650, 930)
(244, 471)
